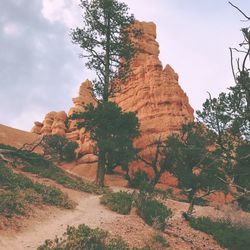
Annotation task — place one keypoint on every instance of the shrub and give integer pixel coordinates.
(53, 196)
(152, 212)
(120, 202)
(85, 238)
(37, 164)
(58, 175)
(59, 148)
(156, 241)
(117, 244)
(244, 202)
(22, 191)
(230, 236)
(139, 179)
(11, 203)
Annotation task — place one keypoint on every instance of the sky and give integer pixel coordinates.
(40, 68)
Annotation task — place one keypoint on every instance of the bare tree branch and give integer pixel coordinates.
(237, 8)
(232, 65)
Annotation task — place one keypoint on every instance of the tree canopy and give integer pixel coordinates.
(113, 131)
(105, 41)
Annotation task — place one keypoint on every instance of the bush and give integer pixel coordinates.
(85, 238)
(11, 203)
(244, 202)
(58, 175)
(120, 202)
(139, 179)
(36, 164)
(53, 196)
(152, 212)
(18, 191)
(229, 236)
(59, 148)
(157, 241)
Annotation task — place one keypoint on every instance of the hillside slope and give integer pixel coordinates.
(15, 137)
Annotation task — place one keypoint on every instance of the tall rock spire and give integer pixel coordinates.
(153, 93)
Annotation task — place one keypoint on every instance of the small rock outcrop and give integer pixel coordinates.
(60, 123)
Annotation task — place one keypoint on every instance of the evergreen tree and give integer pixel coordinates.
(106, 39)
(229, 117)
(190, 158)
(113, 131)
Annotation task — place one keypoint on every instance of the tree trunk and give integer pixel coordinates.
(101, 170)
(191, 206)
(107, 61)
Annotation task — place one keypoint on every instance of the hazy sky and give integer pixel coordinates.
(40, 70)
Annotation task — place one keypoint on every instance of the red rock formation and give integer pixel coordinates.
(153, 93)
(60, 123)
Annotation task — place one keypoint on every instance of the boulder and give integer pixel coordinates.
(88, 158)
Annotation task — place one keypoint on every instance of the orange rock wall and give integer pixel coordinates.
(153, 92)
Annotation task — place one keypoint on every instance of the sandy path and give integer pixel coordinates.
(54, 221)
(89, 211)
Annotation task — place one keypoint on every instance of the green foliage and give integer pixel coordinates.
(139, 179)
(159, 238)
(104, 39)
(18, 191)
(36, 164)
(228, 116)
(113, 131)
(242, 169)
(230, 236)
(56, 174)
(120, 202)
(85, 238)
(53, 196)
(11, 203)
(244, 202)
(156, 241)
(59, 148)
(4, 146)
(152, 211)
(189, 152)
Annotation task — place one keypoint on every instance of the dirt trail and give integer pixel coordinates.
(54, 221)
(88, 211)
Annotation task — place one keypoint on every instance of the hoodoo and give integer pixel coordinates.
(153, 92)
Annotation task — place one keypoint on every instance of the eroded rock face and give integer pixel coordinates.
(60, 123)
(153, 92)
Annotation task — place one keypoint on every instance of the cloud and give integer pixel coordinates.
(13, 30)
(40, 70)
(65, 11)
(39, 66)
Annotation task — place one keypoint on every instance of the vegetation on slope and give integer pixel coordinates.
(36, 164)
(85, 238)
(150, 210)
(18, 191)
(227, 235)
(120, 202)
